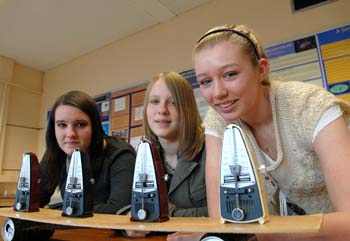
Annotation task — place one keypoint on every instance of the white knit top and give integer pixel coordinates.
(296, 107)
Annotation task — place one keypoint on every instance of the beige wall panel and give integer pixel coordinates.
(2, 88)
(24, 108)
(6, 69)
(18, 141)
(28, 77)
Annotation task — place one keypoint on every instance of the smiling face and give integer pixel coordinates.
(162, 114)
(72, 129)
(229, 81)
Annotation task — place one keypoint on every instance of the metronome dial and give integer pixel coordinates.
(141, 214)
(69, 211)
(19, 205)
(238, 214)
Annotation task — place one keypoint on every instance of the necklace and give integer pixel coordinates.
(169, 169)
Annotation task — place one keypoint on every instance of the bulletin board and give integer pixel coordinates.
(127, 113)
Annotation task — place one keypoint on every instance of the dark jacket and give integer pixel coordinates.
(112, 187)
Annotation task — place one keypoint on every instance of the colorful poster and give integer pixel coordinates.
(335, 53)
(103, 105)
(322, 59)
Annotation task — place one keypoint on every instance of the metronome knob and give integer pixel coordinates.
(141, 214)
(69, 211)
(238, 214)
(19, 206)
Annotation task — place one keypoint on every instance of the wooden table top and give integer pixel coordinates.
(93, 234)
(276, 224)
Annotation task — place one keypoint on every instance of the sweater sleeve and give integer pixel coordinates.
(214, 123)
(120, 179)
(305, 104)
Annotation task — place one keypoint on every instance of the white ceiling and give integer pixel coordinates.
(46, 33)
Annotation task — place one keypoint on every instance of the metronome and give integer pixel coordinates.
(29, 185)
(242, 193)
(149, 200)
(78, 195)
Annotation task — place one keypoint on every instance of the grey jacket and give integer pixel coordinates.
(187, 193)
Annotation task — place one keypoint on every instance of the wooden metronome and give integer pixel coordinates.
(29, 185)
(78, 195)
(149, 200)
(27, 200)
(242, 193)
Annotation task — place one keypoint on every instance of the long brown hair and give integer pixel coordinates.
(53, 163)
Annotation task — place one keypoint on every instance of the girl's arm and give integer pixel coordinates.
(212, 172)
(332, 146)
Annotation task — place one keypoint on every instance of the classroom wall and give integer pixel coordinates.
(20, 104)
(167, 46)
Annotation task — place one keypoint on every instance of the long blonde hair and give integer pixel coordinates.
(191, 132)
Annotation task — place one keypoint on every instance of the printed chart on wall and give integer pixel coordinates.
(322, 59)
(202, 105)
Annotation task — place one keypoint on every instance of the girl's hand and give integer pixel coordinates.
(136, 233)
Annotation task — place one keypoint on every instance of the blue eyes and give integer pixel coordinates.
(205, 82)
(226, 76)
(229, 74)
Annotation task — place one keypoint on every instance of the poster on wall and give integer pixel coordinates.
(202, 105)
(103, 105)
(335, 51)
(297, 60)
(322, 59)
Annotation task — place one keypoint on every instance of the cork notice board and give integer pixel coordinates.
(127, 113)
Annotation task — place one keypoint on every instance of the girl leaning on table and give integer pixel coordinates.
(75, 123)
(298, 132)
(172, 121)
